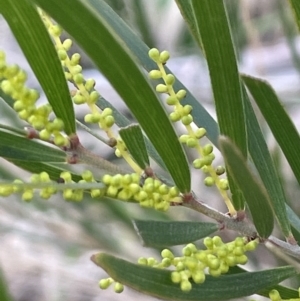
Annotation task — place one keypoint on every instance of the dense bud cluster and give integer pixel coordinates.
(12, 83)
(195, 264)
(192, 138)
(85, 92)
(152, 193)
(49, 187)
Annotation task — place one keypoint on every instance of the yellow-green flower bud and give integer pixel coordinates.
(76, 69)
(251, 246)
(55, 30)
(112, 191)
(19, 105)
(239, 242)
(171, 100)
(187, 109)
(170, 79)
(62, 54)
(224, 267)
(208, 242)
(95, 193)
(160, 88)
(155, 74)
(89, 84)
(143, 261)
(27, 195)
(175, 277)
(44, 135)
(67, 44)
(87, 176)
(243, 259)
(198, 276)
(181, 94)
(214, 272)
(191, 142)
(109, 121)
(163, 189)
(60, 140)
(166, 253)
(164, 56)
(166, 262)
(105, 283)
(6, 190)
(186, 120)
(224, 185)
(75, 59)
(79, 99)
(185, 286)
(78, 78)
(274, 295)
(199, 133)
(217, 241)
(238, 251)
(183, 138)
(94, 96)
(116, 180)
(154, 54)
(175, 116)
(44, 177)
(207, 149)
(191, 263)
(151, 261)
(173, 192)
(118, 288)
(66, 176)
(209, 181)
(107, 179)
(134, 188)
(17, 188)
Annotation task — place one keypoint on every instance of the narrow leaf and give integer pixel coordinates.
(35, 42)
(264, 164)
(212, 22)
(295, 4)
(253, 190)
(113, 59)
(163, 234)
(157, 282)
(293, 218)
(187, 11)
(20, 148)
(278, 120)
(135, 143)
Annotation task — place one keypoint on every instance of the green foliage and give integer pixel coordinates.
(248, 180)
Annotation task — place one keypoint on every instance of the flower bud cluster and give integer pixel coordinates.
(49, 187)
(105, 119)
(195, 264)
(152, 193)
(105, 283)
(85, 93)
(13, 84)
(192, 138)
(180, 113)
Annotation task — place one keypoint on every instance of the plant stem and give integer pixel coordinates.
(242, 227)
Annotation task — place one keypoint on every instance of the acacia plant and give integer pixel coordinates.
(248, 182)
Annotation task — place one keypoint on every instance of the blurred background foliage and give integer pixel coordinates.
(46, 245)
